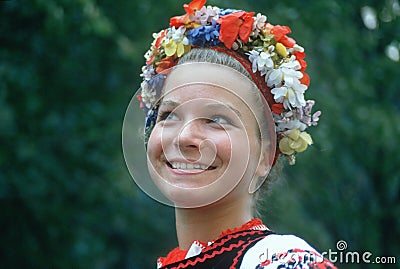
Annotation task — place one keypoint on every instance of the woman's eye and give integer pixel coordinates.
(220, 120)
(167, 116)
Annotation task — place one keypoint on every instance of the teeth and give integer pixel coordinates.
(178, 165)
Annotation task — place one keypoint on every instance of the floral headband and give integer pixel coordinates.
(270, 57)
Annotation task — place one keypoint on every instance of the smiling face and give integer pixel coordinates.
(206, 142)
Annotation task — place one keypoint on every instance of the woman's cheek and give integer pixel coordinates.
(154, 145)
(223, 142)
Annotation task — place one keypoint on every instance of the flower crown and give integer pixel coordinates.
(272, 55)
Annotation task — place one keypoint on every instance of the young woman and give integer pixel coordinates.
(223, 93)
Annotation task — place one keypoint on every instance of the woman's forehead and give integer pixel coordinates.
(210, 74)
(209, 97)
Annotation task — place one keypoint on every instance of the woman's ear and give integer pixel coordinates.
(263, 166)
(261, 172)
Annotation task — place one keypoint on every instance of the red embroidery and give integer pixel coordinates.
(240, 252)
(178, 254)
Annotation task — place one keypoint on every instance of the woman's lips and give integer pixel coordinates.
(188, 167)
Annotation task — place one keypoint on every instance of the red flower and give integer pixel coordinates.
(139, 97)
(156, 46)
(277, 108)
(305, 80)
(280, 34)
(159, 39)
(190, 8)
(300, 57)
(234, 25)
(280, 31)
(303, 64)
(165, 64)
(178, 21)
(193, 6)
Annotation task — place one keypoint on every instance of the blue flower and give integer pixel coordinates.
(157, 82)
(151, 120)
(223, 12)
(205, 35)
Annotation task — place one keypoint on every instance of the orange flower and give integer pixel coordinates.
(280, 34)
(277, 108)
(190, 8)
(234, 25)
(165, 64)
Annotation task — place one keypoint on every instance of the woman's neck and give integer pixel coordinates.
(206, 223)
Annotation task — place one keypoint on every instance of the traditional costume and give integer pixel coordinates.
(251, 246)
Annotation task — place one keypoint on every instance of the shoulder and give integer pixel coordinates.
(276, 251)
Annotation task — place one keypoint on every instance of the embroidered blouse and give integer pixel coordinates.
(252, 246)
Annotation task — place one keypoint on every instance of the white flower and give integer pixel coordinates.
(156, 36)
(291, 94)
(147, 72)
(148, 94)
(259, 24)
(284, 72)
(177, 35)
(205, 15)
(287, 124)
(148, 55)
(262, 61)
(296, 48)
(259, 21)
(175, 42)
(274, 78)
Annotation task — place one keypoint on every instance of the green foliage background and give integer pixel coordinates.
(68, 70)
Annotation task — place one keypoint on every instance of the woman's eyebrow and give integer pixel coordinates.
(213, 106)
(224, 106)
(169, 103)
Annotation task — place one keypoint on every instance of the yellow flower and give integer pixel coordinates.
(295, 142)
(170, 48)
(280, 48)
(175, 42)
(178, 48)
(182, 49)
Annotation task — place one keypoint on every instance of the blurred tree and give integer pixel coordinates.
(347, 186)
(67, 72)
(66, 77)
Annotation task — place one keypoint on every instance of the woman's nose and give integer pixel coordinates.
(190, 135)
